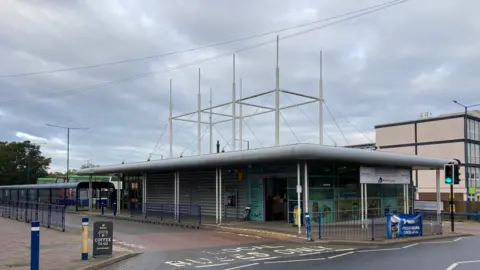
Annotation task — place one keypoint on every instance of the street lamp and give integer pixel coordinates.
(68, 142)
(465, 135)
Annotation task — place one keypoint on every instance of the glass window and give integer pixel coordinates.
(320, 182)
(317, 168)
(477, 151)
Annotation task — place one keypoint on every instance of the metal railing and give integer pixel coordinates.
(166, 212)
(334, 225)
(47, 214)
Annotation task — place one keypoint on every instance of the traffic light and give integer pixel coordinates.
(448, 169)
(456, 174)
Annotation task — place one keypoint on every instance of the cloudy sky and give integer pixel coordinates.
(385, 66)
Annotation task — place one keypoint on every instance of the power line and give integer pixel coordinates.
(159, 139)
(335, 121)
(288, 125)
(148, 74)
(308, 116)
(355, 127)
(201, 47)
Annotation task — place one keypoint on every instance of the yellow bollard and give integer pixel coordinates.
(84, 238)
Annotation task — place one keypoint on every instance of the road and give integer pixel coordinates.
(451, 254)
(166, 247)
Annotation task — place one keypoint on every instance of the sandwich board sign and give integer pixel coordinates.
(102, 239)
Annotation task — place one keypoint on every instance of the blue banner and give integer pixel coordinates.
(401, 225)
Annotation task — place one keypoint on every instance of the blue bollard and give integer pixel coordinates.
(35, 246)
(319, 225)
(103, 208)
(307, 227)
(114, 209)
(476, 215)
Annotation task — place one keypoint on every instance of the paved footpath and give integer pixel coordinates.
(58, 250)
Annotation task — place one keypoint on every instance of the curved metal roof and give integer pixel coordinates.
(81, 184)
(272, 154)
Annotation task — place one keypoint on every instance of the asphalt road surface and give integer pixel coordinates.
(166, 247)
(451, 254)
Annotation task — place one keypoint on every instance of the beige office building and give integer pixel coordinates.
(440, 136)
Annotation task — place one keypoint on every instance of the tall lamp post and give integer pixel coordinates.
(68, 142)
(465, 135)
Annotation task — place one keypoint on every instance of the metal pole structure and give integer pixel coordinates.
(366, 205)
(68, 143)
(437, 186)
(277, 99)
(240, 120)
(211, 123)
(199, 119)
(299, 192)
(452, 215)
(305, 192)
(234, 105)
(220, 198)
(320, 102)
(362, 206)
(175, 195)
(171, 121)
(216, 196)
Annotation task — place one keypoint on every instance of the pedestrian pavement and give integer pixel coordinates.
(58, 250)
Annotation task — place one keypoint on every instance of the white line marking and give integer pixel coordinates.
(291, 261)
(314, 253)
(436, 242)
(340, 255)
(458, 239)
(242, 266)
(345, 249)
(210, 265)
(452, 266)
(409, 246)
(264, 259)
(375, 250)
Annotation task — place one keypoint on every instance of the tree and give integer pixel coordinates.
(22, 163)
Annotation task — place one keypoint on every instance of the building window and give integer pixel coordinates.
(473, 153)
(473, 130)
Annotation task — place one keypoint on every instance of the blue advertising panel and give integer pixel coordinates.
(401, 225)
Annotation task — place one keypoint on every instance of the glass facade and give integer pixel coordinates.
(473, 131)
(334, 191)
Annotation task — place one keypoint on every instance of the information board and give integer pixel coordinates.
(102, 239)
(378, 175)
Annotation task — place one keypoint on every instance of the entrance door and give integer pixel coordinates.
(276, 199)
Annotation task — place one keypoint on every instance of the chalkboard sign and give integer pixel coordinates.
(102, 239)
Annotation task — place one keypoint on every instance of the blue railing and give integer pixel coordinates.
(475, 215)
(164, 212)
(47, 214)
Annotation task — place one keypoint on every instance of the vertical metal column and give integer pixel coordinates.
(120, 185)
(210, 123)
(299, 194)
(216, 196)
(277, 99)
(405, 199)
(362, 205)
(199, 117)
(320, 102)
(178, 195)
(234, 105)
(366, 205)
(240, 122)
(171, 121)
(437, 186)
(220, 198)
(305, 192)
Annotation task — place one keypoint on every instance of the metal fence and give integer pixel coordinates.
(373, 227)
(47, 214)
(166, 212)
